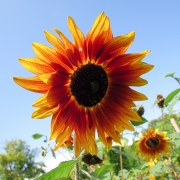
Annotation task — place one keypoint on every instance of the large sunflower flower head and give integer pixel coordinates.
(85, 84)
(154, 143)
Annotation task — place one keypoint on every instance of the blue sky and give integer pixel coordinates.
(157, 28)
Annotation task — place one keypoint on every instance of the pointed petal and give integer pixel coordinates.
(60, 140)
(56, 78)
(32, 84)
(115, 47)
(68, 44)
(70, 47)
(126, 59)
(106, 123)
(77, 35)
(61, 120)
(45, 53)
(44, 112)
(51, 98)
(136, 82)
(129, 72)
(101, 24)
(124, 95)
(36, 65)
(57, 43)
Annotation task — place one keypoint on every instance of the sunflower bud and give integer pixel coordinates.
(160, 101)
(43, 153)
(91, 160)
(140, 111)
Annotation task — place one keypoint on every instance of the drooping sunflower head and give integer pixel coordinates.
(152, 144)
(85, 84)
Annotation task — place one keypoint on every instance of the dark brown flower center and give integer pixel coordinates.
(152, 142)
(91, 160)
(89, 84)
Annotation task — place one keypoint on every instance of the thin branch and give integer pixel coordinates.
(121, 165)
(174, 169)
(163, 120)
(77, 171)
(175, 124)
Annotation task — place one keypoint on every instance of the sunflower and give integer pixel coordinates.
(85, 84)
(152, 144)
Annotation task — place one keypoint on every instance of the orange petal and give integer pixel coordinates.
(45, 53)
(101, 24)
(67, 43)
(62, 119)
(106, 123)
(44, 112)
(32, 84)
(129, 72)
(50, 99)
(77, 35)
(69, 46)
(126, 59)
(115, 116)
(115, 47)
(136, 82)
(57, 43)
(55, 78)
(63, 136)
(77, 147)
(36, 65)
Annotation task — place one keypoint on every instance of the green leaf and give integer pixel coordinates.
(87, 174)
(134, 146)
(37, 136)
(170, 75)
(139, 123)
(159, 124)
(172, 104)
(157, 167)
(103, 169)
(105, 176)
(142, 62)
(60, 172)
(171, 96)
(177, 143)
(101, 147)
(175, 135)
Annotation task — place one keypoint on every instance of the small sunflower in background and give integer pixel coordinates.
(154, 143)
(85, 84)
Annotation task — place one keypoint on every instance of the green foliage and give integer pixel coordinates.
(103, 169)
(139, 123)
(37, 136)
(129, 162)
(170, 97)
(170, 75)
(18, 162)
(60, 172)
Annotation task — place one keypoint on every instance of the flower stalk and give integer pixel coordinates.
(77, 171)
(121, 165)
(175, 125)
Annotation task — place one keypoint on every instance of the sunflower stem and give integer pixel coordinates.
(177, 129)
(163, 120)
(174, 169)
(121, 165)
(175, 125)
(77, 171)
